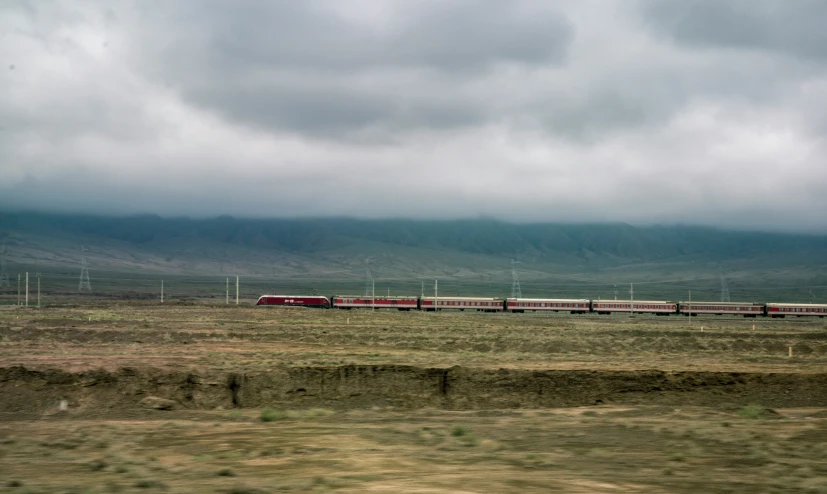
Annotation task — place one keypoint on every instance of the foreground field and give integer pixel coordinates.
(268, 400)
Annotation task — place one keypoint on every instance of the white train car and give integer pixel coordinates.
(575, 306)
(382, 302)
(461, 303)
(746, 309)
(659, 307)
(798, 310)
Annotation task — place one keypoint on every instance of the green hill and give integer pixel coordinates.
(468, 256)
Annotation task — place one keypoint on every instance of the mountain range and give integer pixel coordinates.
(469, 252)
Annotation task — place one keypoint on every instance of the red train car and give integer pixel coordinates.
(294, 300)
(362, 302)
(746, 309)
(799, 310)
(659, 307)
(462, 303)
(575, 306)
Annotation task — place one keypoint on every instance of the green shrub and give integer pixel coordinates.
(459, 431)
(270, 415)
(751, 411)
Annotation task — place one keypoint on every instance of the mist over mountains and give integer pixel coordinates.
(608, 241)
(470, 256)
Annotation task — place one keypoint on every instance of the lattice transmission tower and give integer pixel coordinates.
(369, 283)
(84, 272)
(724, 287)
(4, 270)
(516, 291)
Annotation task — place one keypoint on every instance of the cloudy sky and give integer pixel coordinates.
(711, 111)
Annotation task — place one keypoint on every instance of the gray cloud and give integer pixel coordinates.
(589, 110)
(450, 35)
(795, 28)
(301, 65)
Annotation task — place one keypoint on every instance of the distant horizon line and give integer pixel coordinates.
(481, 218)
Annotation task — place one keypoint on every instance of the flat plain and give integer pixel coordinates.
(197, 397)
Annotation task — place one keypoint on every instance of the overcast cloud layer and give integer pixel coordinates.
(710, 111)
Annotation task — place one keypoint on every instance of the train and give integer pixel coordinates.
(548, 305)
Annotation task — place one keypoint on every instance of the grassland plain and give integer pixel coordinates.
(272, 400)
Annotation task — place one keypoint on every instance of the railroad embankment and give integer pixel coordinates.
(30, 390)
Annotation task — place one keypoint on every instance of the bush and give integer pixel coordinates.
(459, 431)
(270, 415)
(751, 411)
(150, 484)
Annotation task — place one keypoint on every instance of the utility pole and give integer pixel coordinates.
(812, 298)
(632, 295)
(228, 291)
(162, 291)
(18, 288)
(236, 290)
(615, 292)
(690, 307)
(38, 290)
(27, 288)
(422, 289)
(372, 294)
(436, 293)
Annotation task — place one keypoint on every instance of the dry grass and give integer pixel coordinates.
(633, 449)
(602, 448)
(227, 338)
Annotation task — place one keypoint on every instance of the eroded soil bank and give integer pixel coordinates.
(31, 390)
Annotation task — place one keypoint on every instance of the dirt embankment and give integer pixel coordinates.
(355, 386)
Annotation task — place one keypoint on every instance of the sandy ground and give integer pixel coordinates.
(599, 448)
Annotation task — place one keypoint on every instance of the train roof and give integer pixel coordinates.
(701, 302)
(380, 297)
(293, 296)
(776, 304)
(547, 299)
(609, 301)
(449, 297)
